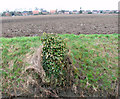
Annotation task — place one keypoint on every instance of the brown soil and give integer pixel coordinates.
(63, 24)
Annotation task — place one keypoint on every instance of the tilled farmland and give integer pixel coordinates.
(62, 24)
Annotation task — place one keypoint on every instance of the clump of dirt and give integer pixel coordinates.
(35, 63)
(38, 85)
(33, 84)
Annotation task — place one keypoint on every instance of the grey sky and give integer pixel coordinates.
(59, 4)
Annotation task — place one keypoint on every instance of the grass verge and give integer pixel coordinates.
(94, 57)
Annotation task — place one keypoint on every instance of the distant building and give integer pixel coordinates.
(30, 12)
(66, 12)
(53, 11)
(7, 14)
(75, 12)
(106, 11)
(61, 11)
(83, 11)
(12, 13)
(44, 12)
(118, 11)
(100, 11)
(35, 12)
(25, 13)
(16, 13)
(95, 11)
(113, 12)
(88, 12)
(70, 12)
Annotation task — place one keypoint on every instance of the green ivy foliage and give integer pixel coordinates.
(53, 56)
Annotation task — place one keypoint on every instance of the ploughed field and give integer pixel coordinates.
(62, 24)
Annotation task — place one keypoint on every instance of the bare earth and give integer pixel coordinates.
(63, 24)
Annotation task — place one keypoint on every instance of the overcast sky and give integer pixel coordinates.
(59, 4)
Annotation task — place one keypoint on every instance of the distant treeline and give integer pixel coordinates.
(45, 12)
